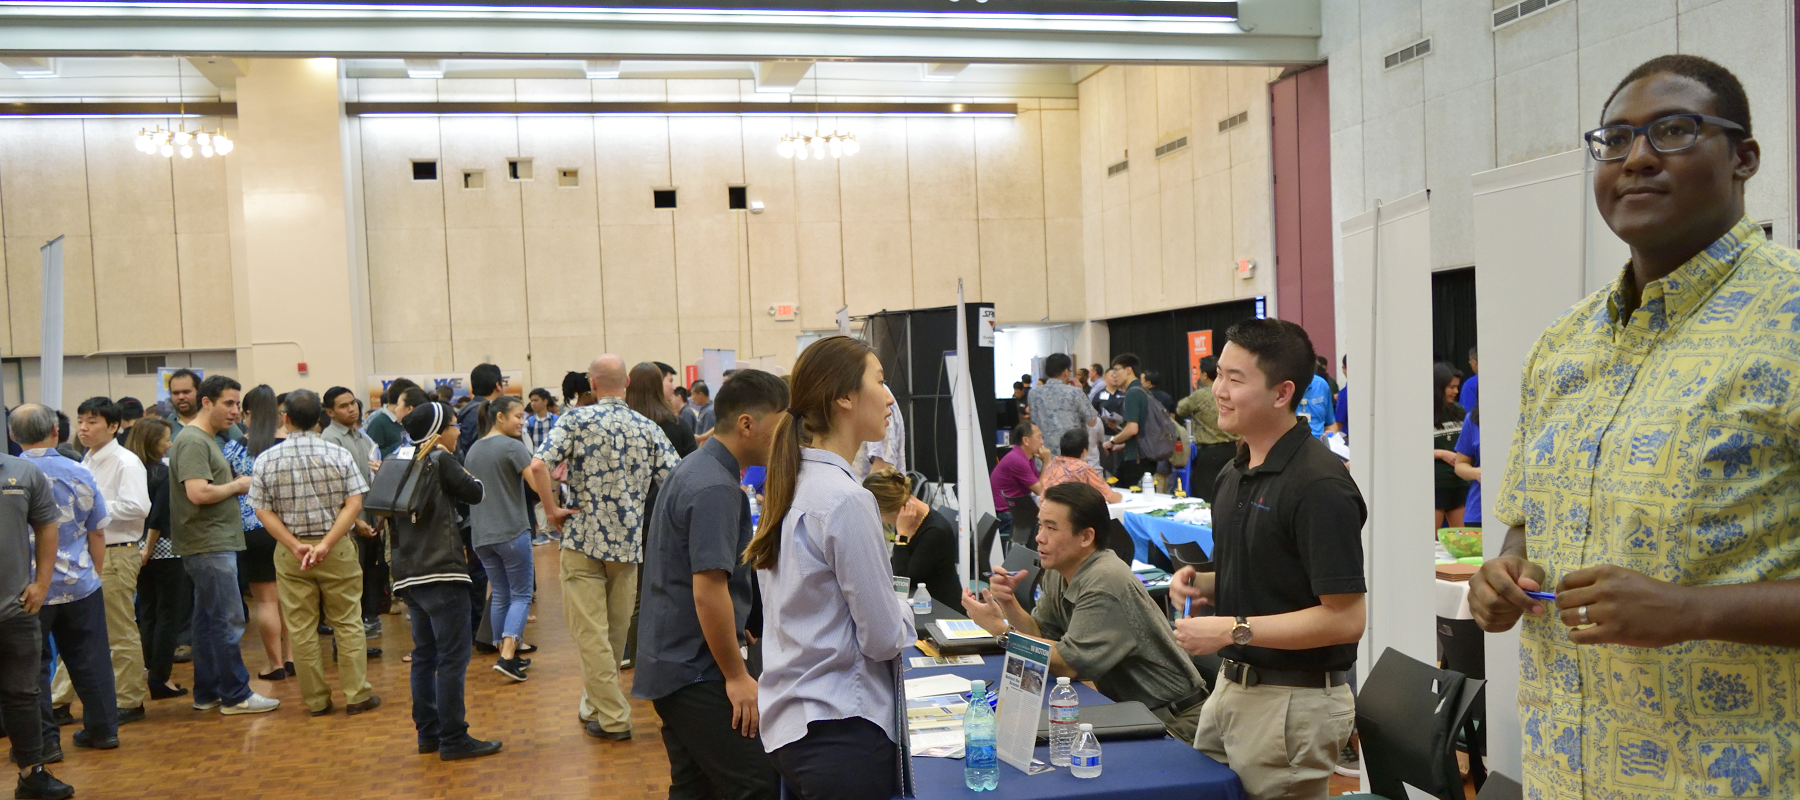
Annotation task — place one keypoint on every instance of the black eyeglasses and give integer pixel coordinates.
(1671, 134)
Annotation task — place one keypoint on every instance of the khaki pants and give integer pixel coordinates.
(337, 579)
(118, 580)
(597, 599)
(1281, 741)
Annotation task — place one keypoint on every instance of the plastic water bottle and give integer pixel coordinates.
(921, 601)
(755, 505)
(1147, 484)
(1065, 716)
(981, 765)
(1084, 759)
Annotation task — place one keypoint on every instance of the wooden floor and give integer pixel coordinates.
(179, 752)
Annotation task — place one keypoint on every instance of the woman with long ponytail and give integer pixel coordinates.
(832, 630)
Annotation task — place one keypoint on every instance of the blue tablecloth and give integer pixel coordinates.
(1145, 768)
(1145, 530)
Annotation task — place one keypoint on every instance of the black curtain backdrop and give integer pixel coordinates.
(1453, 317)
(911, 346)
(1160, 339)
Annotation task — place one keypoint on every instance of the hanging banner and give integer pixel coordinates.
(1199, 346)
(430, 381)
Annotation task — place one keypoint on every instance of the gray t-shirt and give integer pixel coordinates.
(26, 500)
(499, 462)
(201, 529)
(702, 523)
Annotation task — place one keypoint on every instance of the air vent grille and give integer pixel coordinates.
(1407, 54)
(1118, 168)
(1507, 15)
(1233, 121)
(143, 365)
(1170, 147)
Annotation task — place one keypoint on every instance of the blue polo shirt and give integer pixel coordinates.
(1316, 403)
(1468, 443)
(80, 508)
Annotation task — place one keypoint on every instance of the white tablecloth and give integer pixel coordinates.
(1140, 503)
(1453, 599)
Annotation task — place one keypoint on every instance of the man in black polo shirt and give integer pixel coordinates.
(1289, 583)
(697, 599)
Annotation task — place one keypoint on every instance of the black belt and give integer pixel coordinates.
(1239, 672)
(1186, 703)
(123, 544)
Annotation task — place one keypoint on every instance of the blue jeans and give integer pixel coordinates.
(441, 641)
(219, 672)
(509, 571)
(79, 629)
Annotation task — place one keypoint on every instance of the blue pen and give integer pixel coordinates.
(1550, 596)
(1187, 607)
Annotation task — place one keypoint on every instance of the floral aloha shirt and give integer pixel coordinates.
(1665, 443)
(613, 454)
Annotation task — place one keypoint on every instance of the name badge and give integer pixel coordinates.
(405, 453)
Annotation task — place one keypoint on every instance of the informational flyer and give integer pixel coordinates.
(1022, 683)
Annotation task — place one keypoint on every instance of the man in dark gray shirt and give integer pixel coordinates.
(697, 597)
(27, 505)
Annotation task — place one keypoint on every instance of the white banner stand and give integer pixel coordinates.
(50, 362)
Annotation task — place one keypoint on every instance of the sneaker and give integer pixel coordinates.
(470, 748)
(511, 668)
(1349, 763)
(254, 704)
(85, 739)
(61, 715)
(372, 627)
(39, 784)
(540, 541)
(205, 705)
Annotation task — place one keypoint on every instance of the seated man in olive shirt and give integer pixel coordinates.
(1104, 625)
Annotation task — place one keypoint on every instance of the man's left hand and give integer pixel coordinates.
(315, 555)
(364, 529)
(1624, 607)
(1204, 635)
(984, 611)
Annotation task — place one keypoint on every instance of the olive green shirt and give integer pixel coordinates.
(1202, 410)
(196, 529)
(1109, 631)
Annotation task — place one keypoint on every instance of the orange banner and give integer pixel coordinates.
(1199, 346)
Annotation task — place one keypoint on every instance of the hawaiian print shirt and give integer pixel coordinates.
(613, 454)
(242, 463)
(80, 508)
(1666, 443)
(1057, 407)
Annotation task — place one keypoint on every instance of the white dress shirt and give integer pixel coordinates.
(120, 476)
(833, 632)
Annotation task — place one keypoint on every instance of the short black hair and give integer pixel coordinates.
(700, 387)
(395, 389)
(102, 407)
(1018, 385)
(303, 409)
(665, 368)
(543, 393)
(1126, 360)
(484, 379)
(1057, 364)
(184, 372)
(749, 391)
(1729, 100)
(131, 408)
(216, 385)
(1152, 377)
(1074, 443)
(62, 428)
(1472, 353)
(333, 393)
(682, 392)
(1087, 508)
(1282, 349)
(573, 384)
(1020, 431)
(414, 397)
(445, 392)
(1209, 366)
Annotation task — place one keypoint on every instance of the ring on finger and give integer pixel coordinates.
(1583, 615)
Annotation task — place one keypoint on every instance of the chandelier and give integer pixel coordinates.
(802, 145)
(165, 142)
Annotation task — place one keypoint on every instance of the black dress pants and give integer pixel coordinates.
(160, 606)
(839, 759)
(708, 759)
(19, 655)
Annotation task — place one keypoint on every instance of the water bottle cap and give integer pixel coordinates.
(1087, 727)
(977, 687)
(1062, 681)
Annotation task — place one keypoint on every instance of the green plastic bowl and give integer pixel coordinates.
(1461, 542)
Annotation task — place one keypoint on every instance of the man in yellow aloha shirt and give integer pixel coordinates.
(1655, 479)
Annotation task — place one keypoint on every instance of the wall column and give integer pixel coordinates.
(295, 294)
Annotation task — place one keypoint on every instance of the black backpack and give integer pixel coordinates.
(402, 487)
(1158, 438)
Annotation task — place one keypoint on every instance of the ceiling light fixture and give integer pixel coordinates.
(800, 145)
(161, 141)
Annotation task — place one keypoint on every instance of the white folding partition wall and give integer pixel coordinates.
(1539, 248)
(1386, 313)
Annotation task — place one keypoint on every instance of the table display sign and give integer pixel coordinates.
(1021, 690)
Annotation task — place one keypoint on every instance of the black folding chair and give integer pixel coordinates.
(1462, 648)
(1024, 523)
(1020, 558)
(1408, 715)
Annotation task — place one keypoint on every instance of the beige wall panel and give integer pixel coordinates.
(1116, 224)
(511, 352)
(391, 198)
(551, 356)
(770, 177)
(554, 90)
(556, 143)
(1116, 189)
(632, 157)
(1141, 130)
(1067, 276)
(819, 263)
(1009, 168)
(409, 286)
(562, 280)
(874, 181)
(940, 167)
(1210, 104)
(779, 343)
(1174, 103)
(773, 275)
(199, 185)
(128, 192)
(487, 283)
(716, 90)
(631, 90)
(643, 341)
(942, 252)
(422, 356)
(24, 282)
(637, 266)
(708, 280)
(1013, 272)
(395, 90)
(1177, 200)
(1109, 92)
(208, 313)
(484, 144)
(1146, 254)
(878, 266)
(1248, 89)
(1215, 278)
(1063, 164)
(818, 186)
(6, 342)
(476, 90)
(706, 155)
(706, 332)
(43, 179)
(137, 298)
(1091, 169)
(1093, 263)
(1252, 228)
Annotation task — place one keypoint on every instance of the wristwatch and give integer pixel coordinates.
(1240, 633)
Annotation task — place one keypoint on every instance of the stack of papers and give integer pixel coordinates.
(959, 629)
(935, 685)
(934, 712)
